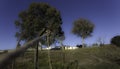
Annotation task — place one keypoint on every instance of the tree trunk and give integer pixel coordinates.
(36, 56)
(49, 60)
(13, 64)
(18, 43)
(12, 55)
(83, 43)
(63, 55)
(40, 45)
(48, 41)
(17, 46)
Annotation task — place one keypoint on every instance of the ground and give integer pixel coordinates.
(106, 57)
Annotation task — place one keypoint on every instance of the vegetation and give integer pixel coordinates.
(106, 57)
(116, 40)
(37, 17)
(60, 37)
(83, 28)
(32, 21)
(41, 18)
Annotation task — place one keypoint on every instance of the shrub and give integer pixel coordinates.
(5, 51)
(116, 40)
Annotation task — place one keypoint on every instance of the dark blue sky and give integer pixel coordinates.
(105, 14)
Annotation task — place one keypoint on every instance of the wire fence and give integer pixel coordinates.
(59, 60)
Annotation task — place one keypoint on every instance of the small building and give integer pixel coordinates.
(70, 47)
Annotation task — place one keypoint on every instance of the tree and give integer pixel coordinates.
(116, 40)
(37, 17)
(6, 60)
(83, 28)
(101, 41)
(60, 36)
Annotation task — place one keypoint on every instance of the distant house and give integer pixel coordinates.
(70, 47)
(65, 48)
(47, 48)
(3, 51)
(56, 48)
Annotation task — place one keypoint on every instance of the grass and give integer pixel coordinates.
(107, 57)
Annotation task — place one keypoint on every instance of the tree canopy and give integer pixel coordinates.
(37, 17)
(116, 40)
(60, 37)
(83, 28)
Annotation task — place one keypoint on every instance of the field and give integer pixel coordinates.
(107, 57)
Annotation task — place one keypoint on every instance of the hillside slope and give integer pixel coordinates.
(107, 57)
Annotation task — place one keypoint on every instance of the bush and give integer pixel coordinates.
(116, 40)
(5, 51)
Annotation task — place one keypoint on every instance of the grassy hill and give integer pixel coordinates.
(107, 57)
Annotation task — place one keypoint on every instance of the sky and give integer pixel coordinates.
(105, 15)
